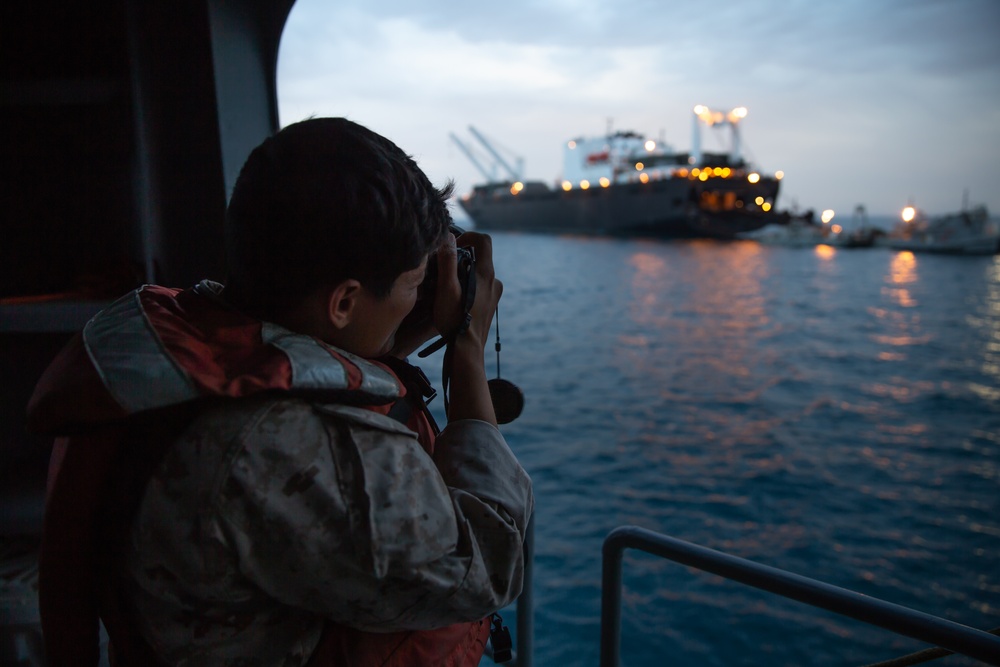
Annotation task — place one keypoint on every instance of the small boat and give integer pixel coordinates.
(968, 232)
(859, 234)
(792, 231)
(626, 184)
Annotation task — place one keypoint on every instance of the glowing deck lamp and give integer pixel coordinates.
(827, 215)
(754, 177)
(909, 213)
(567, 186)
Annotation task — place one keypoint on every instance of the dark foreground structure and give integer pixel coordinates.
(125, 123)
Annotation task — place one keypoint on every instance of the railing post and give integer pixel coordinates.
(526, 602)
(611, 597)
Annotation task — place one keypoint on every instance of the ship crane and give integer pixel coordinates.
(488, 174)
(515, 174)
(712, 117)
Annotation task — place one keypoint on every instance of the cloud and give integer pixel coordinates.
(836, 90)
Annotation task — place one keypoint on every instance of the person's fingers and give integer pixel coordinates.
(448, 294)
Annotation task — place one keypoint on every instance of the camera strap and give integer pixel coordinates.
(507, 397)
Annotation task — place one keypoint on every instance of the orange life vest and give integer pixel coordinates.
(161, 352)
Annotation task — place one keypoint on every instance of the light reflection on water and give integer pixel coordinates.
(834, 413)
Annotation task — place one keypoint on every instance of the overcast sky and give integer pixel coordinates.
(874, 102)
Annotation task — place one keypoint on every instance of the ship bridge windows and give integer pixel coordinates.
(711, 200)
(666, 160)
(716, 160)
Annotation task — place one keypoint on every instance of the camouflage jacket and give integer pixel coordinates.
(268, 518)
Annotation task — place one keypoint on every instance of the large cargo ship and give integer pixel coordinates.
(624, 184)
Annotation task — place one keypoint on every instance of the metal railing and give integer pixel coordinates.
(901, 620)
(523, 656)
(526, 603)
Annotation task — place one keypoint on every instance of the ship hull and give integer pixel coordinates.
(665, 208)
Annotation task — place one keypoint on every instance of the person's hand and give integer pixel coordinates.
(449, 309)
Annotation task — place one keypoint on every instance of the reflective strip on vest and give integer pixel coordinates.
(314, 366)
(130, 360)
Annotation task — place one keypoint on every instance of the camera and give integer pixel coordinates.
(466, 274)
(423, 311)
(507, 398)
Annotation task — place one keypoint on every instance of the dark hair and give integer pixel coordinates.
(322, 201)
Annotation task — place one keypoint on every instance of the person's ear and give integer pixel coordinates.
(341, 303)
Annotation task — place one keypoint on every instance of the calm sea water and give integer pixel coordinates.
(835, 413)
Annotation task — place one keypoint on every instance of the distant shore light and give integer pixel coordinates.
(909, 213)
(584, 184)
(650, 145)
(779, 174)
(759, 201)
(605, 181)
(753, 177)
(567, 186)
(644, 177)
(639, 166)
(766, 206)
(827, 215)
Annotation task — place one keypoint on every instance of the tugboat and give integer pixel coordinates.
(968, 232)
(625, 184)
